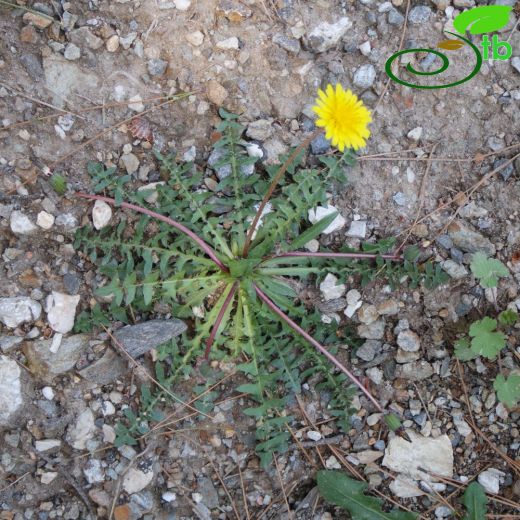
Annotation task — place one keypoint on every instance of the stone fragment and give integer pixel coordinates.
(405, 487)
(216, 93)
(454, 270)
(82, 430)
(326, 35)
(470, 241)
(45, 220)
(330, 289)
(374, 330)
(38, 20)
(419, 14)
(72, 52)
(21, 224)
(106, 369)
(83, 37)
(47, 364)
(137, 479)
(139, 339)
(409, 341)
(18, 310)
(196, 38)
(490, 479)
(14, 392)
(415, 371)
(112, 44)
(433, 455)
(320, 212)
(365, 76)
(131, 162)
(228, 44)
(369, 350)
(101, 214)
(61, 311)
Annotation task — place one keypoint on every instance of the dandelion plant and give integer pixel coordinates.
(230, 261)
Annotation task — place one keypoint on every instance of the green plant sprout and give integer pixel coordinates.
(242, 294)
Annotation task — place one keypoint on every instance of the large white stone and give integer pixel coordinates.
(11, 391)
(405, 487)
(61, 311)
(21, 224)
(330, 289)
(136, 480)
(101, 214)
(490, 479)
(18, 310)
(320, 212)
(433, 455)
(81, 431)
(327, 35)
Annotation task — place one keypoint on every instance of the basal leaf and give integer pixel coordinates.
(488, 270)
(463, 350)
(475, 501)
(508, 390)
(348, 494)
(482, 19)
(485, 340)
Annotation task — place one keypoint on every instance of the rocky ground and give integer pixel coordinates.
(67, 85)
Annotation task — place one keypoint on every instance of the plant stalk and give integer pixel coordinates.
(318, 346)
(358, 256)
(218, 321)
(279, 174)
(181, 227)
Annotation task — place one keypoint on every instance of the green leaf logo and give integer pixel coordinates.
(484, 19)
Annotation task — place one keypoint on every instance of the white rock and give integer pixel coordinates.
(152, 187)
(409, 341)
(169, 496)
(365, 48)
(375, 375)
(196, 38)
(131, 162)
(353, 296)
(455, 270)
(314, 435)
(72, 52)
(48, 477)
(490, 479)
(107, 408)
(351, 309)
(405, 487)
(12, 391)
(330, 289)
(109, 434)
(358, 229)
(48, 393)
(61, 311)
(415, 134)
(136, 480)
(136, 103)
(433, 455)
(364, 76)
(332, 463)
(93, 471)
(462, 426)
(56, 342)
(320, 212)
(112, 44)
(21, 224)
(82, 430)
(45, 220)
(228, 44)
(182, 5)
(312, 245)
(47, 444)
(18, 310)
(101, 214)
(327, 35)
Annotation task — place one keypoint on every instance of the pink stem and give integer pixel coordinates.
(227, 301)
(316, 345)
(338, 255)
(205, 247)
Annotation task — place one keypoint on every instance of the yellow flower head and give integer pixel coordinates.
(344, 117)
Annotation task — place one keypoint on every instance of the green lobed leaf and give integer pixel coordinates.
(349, 494)
(475, 500)
(508, 317)
(485, 340)
(508, 390)
(463, 350)
(488, 270)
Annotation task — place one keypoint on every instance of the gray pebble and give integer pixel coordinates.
(400, 198)
(505, 172)
(320, 145)
(419, 14)
(291, 45)
(72, 52)
(71, 283)
(457, 255)
(365, 76)
(395, 17)
(369, 350)
(445, 241)
(32, 65)
(157, 67)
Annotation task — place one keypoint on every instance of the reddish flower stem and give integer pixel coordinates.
(274, 308)
(338, 255)
(205, 247)
(218, 321)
